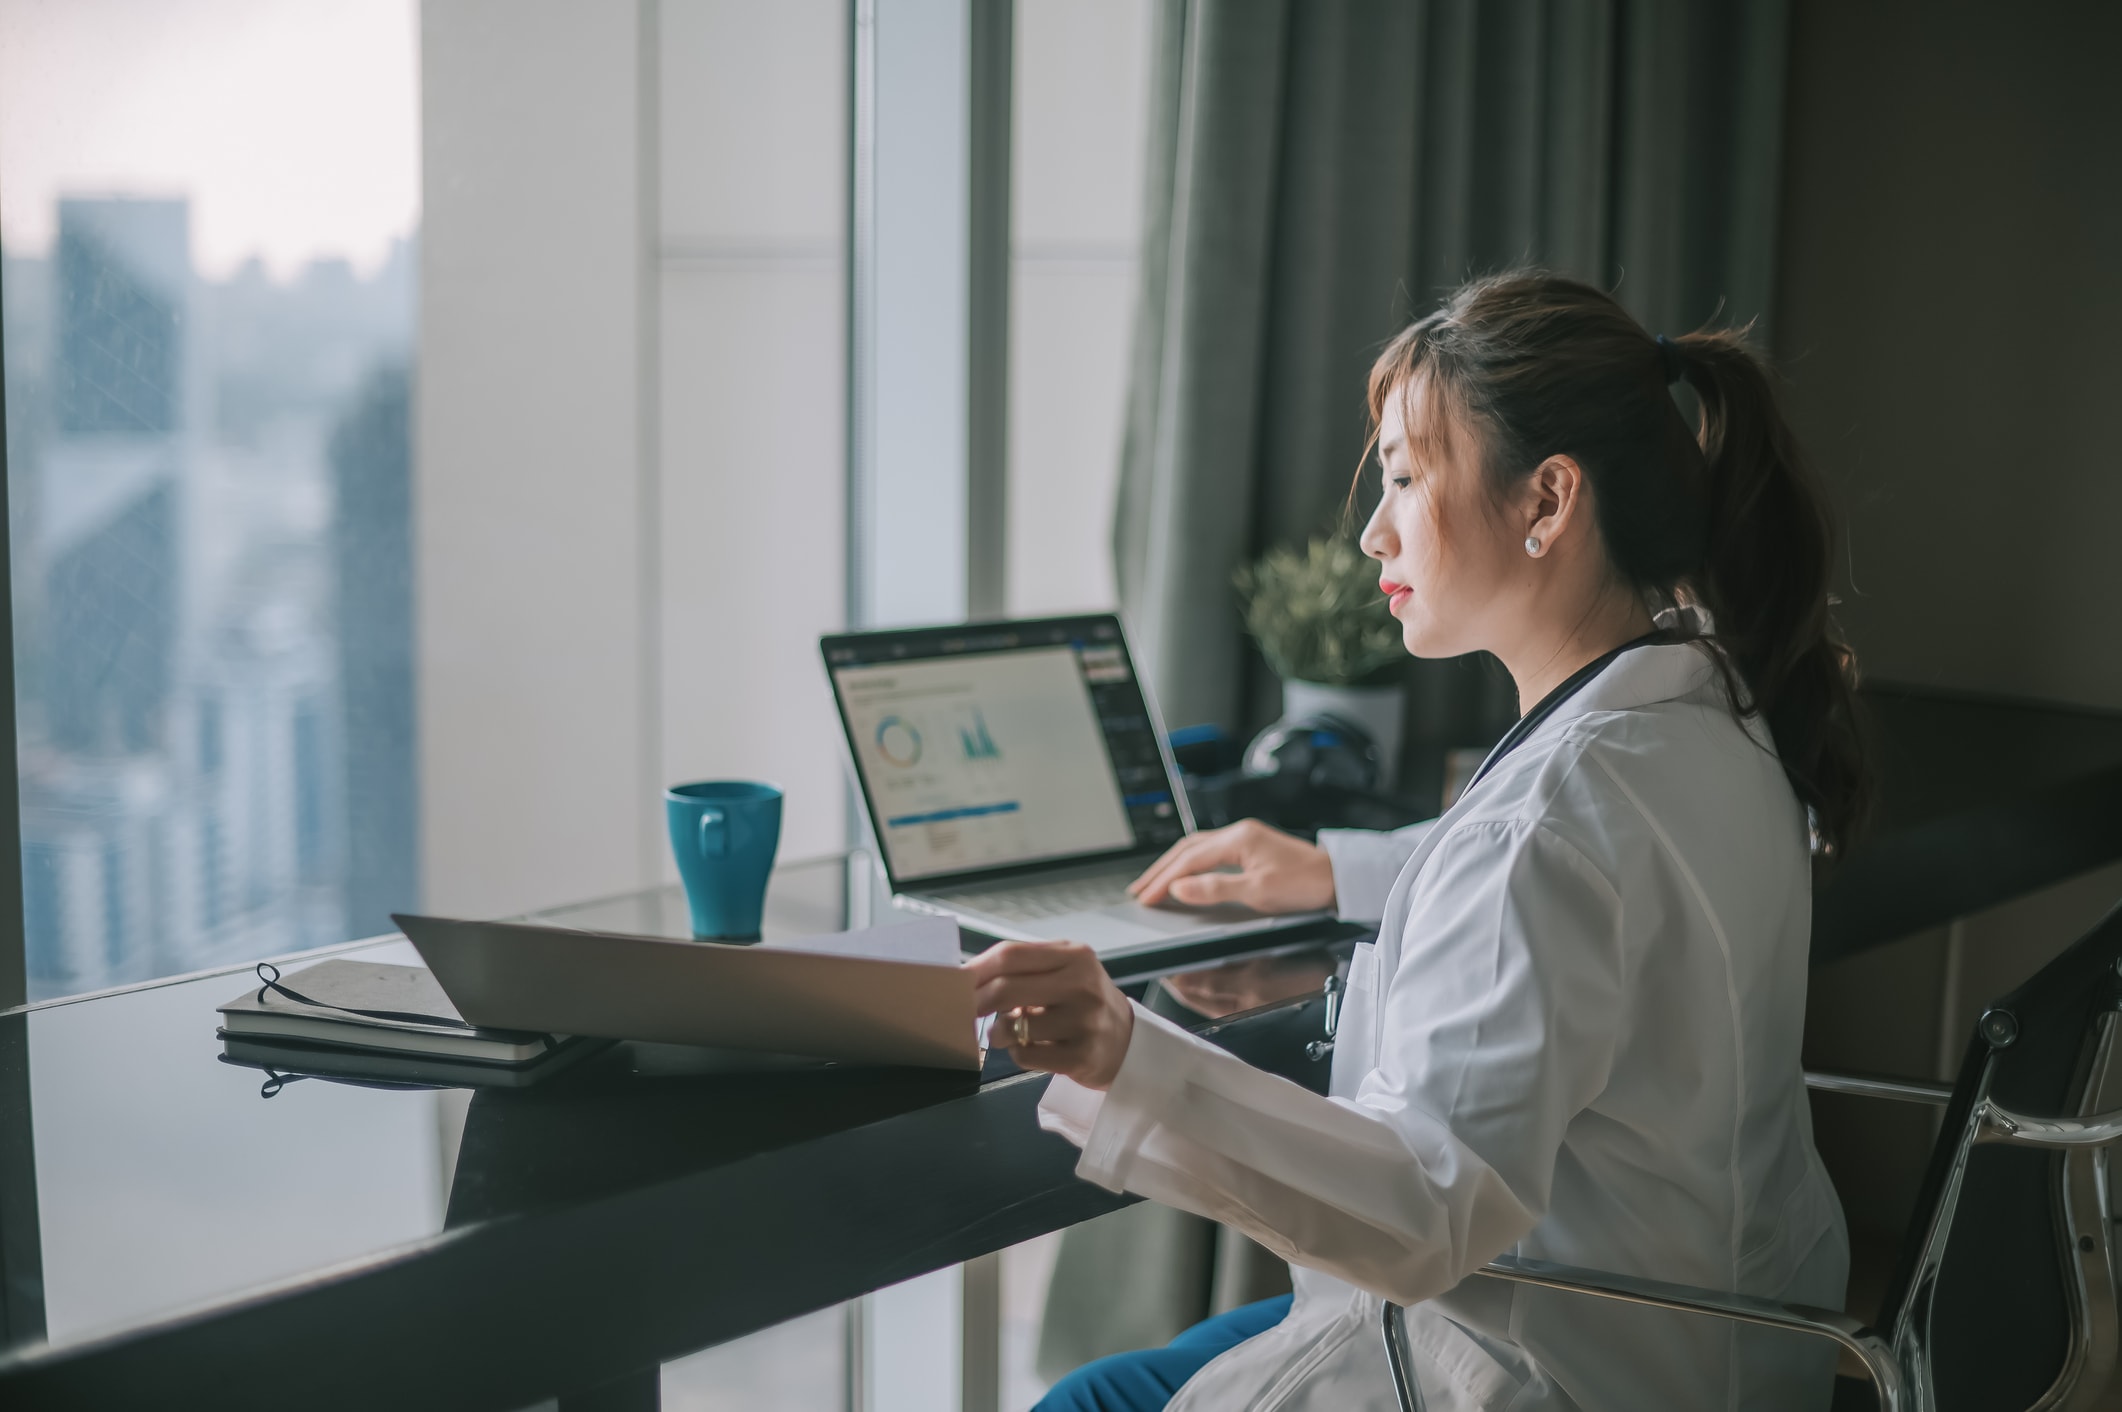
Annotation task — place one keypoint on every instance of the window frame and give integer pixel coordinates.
(14, 940)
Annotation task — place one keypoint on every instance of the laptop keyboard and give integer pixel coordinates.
(1033, 902)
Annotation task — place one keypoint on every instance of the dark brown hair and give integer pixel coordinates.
(1725, 515)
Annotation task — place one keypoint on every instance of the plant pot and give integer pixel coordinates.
(1381, 712)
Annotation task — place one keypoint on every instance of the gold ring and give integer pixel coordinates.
(1021, 1028)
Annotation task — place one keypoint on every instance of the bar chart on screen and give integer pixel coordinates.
(983, 760)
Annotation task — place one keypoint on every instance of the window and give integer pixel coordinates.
(242, 730)
(410, 475)
(208, 223)
(1081, 95)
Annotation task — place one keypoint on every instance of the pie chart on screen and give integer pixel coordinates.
(898, 741)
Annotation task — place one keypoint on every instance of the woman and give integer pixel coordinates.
(1576, 1038)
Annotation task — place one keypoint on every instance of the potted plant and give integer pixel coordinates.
(1324, 628)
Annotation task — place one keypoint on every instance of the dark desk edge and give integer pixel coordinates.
(1933, 872)
(505, 1313)
(1966, 696)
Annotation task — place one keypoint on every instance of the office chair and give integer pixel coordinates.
(2004, 1297)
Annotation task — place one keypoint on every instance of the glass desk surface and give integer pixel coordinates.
(147, 1177)
(166, 1178)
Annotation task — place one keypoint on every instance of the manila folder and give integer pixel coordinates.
(777, 998)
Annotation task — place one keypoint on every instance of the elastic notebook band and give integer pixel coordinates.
(272, 983)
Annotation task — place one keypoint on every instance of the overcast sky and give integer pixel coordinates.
(293, 125)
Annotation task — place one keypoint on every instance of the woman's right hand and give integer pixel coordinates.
(1274, 872)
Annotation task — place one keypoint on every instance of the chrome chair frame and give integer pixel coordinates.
(1899, 1361)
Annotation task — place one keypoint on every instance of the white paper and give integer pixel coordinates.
(926, 941)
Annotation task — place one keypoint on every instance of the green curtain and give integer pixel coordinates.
(1321, 171)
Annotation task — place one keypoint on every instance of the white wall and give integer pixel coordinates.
(754, 138)
(1081, 90)
(629, 501)
(918, 306)
(534, 779)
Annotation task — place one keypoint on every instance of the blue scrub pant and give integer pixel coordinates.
(1144, 1381)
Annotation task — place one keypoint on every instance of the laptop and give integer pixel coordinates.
(1017, 778)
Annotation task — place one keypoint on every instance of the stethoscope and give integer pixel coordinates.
(1550, 703)
(1514, 737)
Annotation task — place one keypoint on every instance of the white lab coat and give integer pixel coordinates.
(1576, 1039)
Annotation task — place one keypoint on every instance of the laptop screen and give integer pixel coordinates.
(1001, 744)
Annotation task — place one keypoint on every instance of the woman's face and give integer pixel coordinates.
(1453, 570)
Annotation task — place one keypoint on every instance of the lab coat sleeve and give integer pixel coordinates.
(1366, 865)
(1497, 1028)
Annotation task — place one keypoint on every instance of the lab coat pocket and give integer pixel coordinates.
(1356, 1038)
(1455, 1368)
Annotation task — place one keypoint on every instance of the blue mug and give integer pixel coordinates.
(724, 833)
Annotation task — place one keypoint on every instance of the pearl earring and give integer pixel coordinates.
(1532, 545)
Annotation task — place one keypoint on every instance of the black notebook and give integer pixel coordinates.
(286, 1060)
(374, 1006)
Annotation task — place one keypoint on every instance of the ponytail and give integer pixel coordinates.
(1764, 578)
(1725, 516)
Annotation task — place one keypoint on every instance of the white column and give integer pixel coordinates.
(910, 473)
(1081, 130)
(910, 1357)
(911, 422)
(534, 784)
(754, 320)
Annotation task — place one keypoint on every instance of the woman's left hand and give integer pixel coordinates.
(1056, 998)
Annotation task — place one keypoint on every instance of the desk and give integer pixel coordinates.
(188, 1241)
(337, 1246)
(1980, 801)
